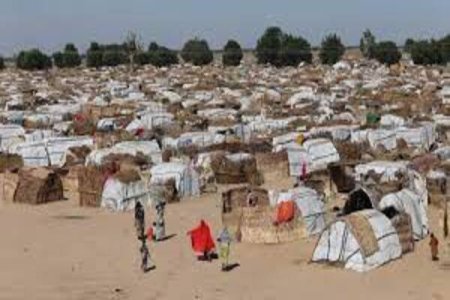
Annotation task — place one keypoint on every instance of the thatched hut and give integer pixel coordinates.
(247, 214)
(38, 186)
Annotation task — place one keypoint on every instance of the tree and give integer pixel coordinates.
(142, 58)
(408, 45)
(94, 56)
(232, 54)
(332, 49)
(444, 47)
(269, 45)
(133, 46)
(426, 52)
(281, 49)
(32, 60)
(294, 50)
(367, 44)
(197, 52)
(113, 58)
(387, 52)
(2, 63)
(58, 59)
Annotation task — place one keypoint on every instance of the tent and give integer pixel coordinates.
(359, 199)
(121, 194)
(411, 203)
(309, 203)
(10, 135)
(187, 181)
(51, 151)
(361, 241)
(315, 153)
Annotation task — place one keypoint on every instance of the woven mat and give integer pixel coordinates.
(363, 232)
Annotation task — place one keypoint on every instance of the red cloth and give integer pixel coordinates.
(285, 212)
(150, 234)
(201, 239)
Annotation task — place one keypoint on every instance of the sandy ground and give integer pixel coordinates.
(61, 251)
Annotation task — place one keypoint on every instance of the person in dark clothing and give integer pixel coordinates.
(434, 247)
(139, 223)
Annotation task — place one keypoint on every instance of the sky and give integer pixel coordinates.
(49, 24)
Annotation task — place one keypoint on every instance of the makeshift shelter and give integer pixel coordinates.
(38, 186)
(360, 241)
(235, 168)
(148, 149)
(49, 152)
(123, 189)
(316, 154)
(235, 199)
(361, 198)
(311, 208)
(187, 181)
(409, 202)
(11, 135)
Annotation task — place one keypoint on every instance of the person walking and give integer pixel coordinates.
(434, 247)
(139, 223)
(224, 240)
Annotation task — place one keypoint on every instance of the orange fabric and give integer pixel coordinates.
(150, 234)
(201, 239)
(285, 212)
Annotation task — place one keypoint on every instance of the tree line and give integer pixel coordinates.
(274, 47)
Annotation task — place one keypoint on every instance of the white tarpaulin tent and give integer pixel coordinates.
(10, 135)
(409, 202)
(338, 243)
(150, 120)
(50, 151)
(387, 169)
(315, 153)
(199, 139)
(119, 196)
(148, 148)
(309, 203)
(187, 180)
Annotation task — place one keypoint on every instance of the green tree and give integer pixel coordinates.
(161, 56)
(444, 49)
(408, 45)
(387, 52)
(2, 63)
(58, 59)
(331, 50)
(426, 52)
(269, 45)
(32, 60)
(367, 44)
(197, 52)
(280, 49)
(294, 50)
(113, 58)
(142, 58)
(232, 54)
(94, 56)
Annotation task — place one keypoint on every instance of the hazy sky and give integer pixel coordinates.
(49, 24)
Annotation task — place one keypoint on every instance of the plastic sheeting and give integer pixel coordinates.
(411, 203)
(309, 203)
(148, 148)
(10, 135)
(315, 153)
(119, 196)
(338, 244)
(50, 151)
(187, 180)
(150, 120)
(387, 169)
